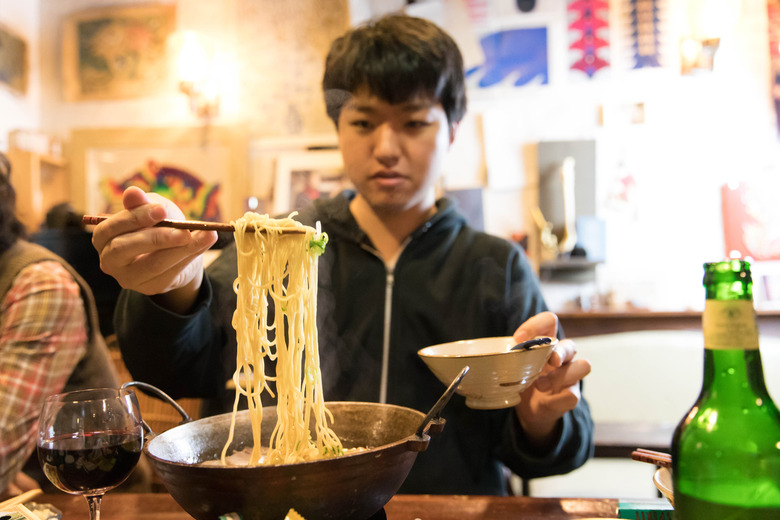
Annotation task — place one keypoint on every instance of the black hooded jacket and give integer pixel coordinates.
(450, 283)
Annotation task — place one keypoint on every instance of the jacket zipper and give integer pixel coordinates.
(386, 337)
(389, 279)
(389, 283)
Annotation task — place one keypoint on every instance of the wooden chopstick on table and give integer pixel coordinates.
(27, 512)
(20, 499)
(652, 457)
(192, 225)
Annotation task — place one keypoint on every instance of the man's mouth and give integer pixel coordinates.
(387, 179)
(386, 175)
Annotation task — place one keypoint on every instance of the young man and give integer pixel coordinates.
(401, 271)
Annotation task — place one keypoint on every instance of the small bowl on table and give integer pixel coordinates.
(496, 376)
(662, 478)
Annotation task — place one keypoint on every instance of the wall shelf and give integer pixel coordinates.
(572, 270)
(40, 181)
(588, 323)
(568, 265)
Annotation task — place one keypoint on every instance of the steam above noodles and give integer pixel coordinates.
(280, 267)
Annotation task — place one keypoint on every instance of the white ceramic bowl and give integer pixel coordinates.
(662, 478)
(496, 375)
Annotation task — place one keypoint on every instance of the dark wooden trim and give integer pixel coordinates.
(577, 324)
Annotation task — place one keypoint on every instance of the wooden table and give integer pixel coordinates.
(161, 506)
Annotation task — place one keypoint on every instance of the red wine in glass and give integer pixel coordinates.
(96, 461)
(89, 441)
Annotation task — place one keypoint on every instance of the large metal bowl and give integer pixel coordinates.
(353, 486)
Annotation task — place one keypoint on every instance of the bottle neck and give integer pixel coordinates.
(733, 373)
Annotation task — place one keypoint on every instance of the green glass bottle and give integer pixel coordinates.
(726, 450)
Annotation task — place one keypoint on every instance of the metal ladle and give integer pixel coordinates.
(434, 414)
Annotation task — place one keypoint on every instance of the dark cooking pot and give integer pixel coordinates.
(350, 487)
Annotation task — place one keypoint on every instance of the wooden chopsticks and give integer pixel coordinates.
(652, 457)
(27, 512)
(192, 225)
(19, 499)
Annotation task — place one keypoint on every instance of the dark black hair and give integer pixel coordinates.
(397, 57)
(11, 228)
(63, 216)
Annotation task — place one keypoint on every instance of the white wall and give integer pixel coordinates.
(21, 111)
(252, 63)
(699, 131)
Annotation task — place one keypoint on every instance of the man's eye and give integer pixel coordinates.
(417, 124)
(360, 123)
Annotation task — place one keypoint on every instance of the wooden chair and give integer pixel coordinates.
(159, 415)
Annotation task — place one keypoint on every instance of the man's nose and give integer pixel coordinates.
(387, 147)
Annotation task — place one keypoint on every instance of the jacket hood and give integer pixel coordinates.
(337, 220)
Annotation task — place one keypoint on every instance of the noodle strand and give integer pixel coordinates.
(280, 267)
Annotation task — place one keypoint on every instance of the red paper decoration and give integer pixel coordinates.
(590, 26)
(773, 14)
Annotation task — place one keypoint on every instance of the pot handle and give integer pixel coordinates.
(159, 394)
(433, 414)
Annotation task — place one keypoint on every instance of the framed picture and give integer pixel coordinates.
(117, 52)
(13, 61)
(302, 177)
(203, 170)
(264, 153)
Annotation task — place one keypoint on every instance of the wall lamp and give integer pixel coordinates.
(198, 72)
(697, 54)
(708, 22)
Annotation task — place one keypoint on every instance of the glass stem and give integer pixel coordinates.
(94, 506)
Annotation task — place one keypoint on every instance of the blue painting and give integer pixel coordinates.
(519, 54)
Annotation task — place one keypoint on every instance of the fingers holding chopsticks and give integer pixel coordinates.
(148, 259)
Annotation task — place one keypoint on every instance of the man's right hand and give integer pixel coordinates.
(163, 262)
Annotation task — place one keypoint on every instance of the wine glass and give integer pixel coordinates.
(89, 441)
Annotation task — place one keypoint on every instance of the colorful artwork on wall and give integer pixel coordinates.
(13, 61)
(204, 174)
(117, 52)
(519, 54)
(197, 198)
(773, 12)
(644, 19)
(589, 29)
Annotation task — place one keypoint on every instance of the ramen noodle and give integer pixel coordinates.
(276, 321)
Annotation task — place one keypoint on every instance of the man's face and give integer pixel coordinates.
(393, 153)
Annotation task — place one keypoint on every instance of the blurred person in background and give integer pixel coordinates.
(50, 342)
(64, 234)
